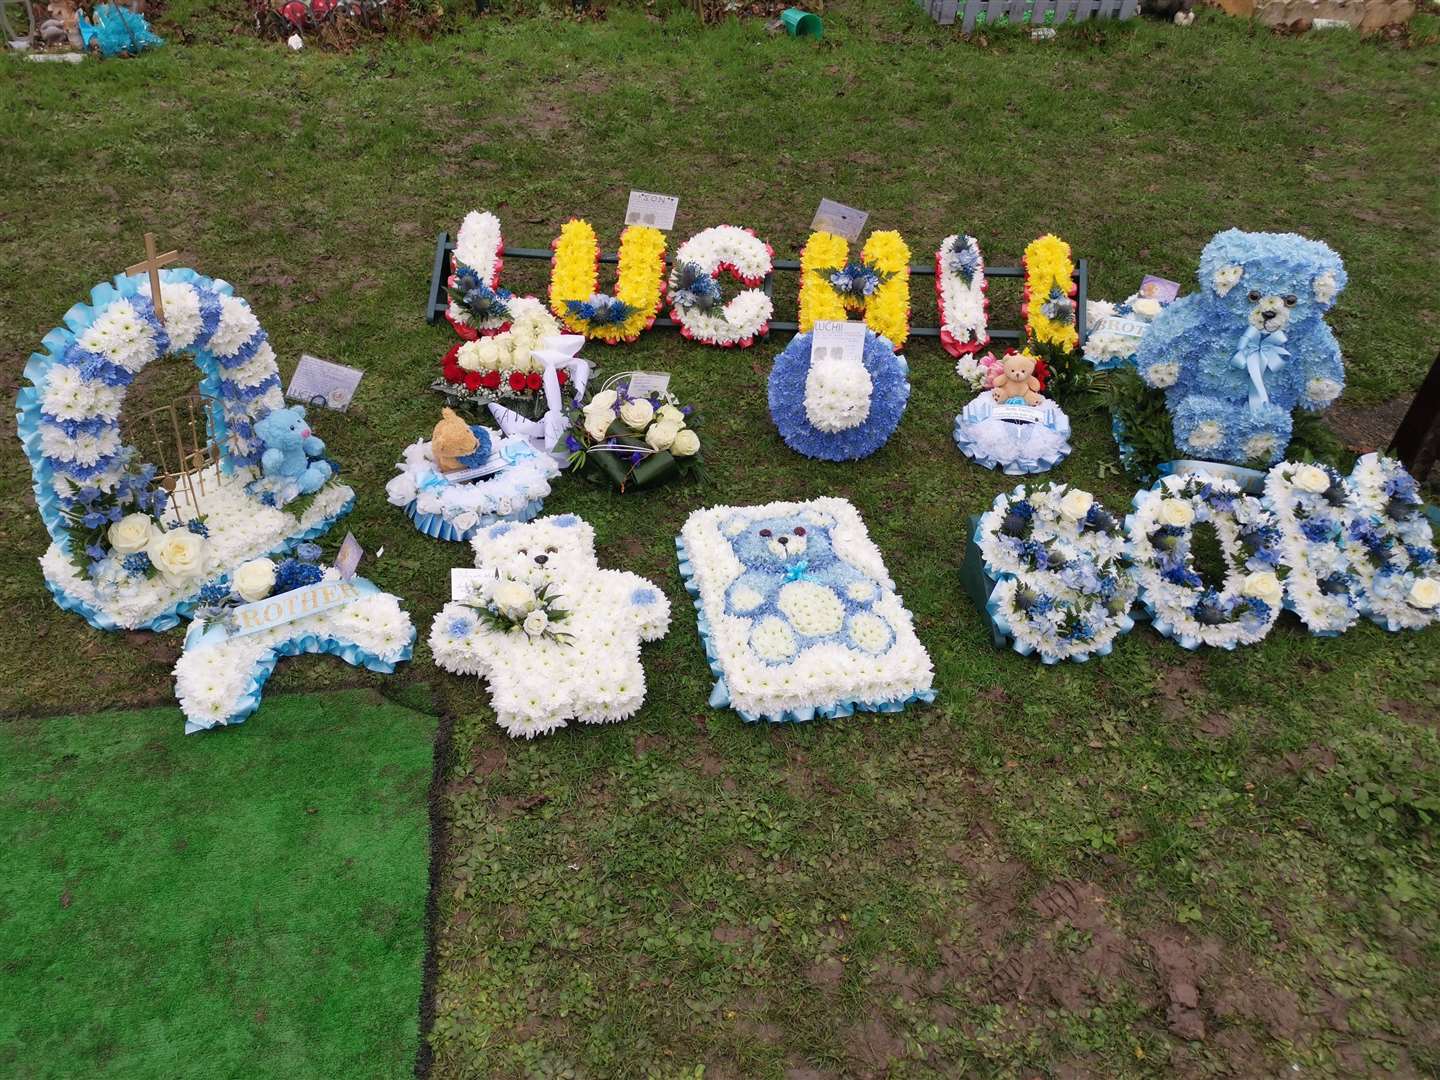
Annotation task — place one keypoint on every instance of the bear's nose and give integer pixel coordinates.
(542, 559)
(784, 539)
(1268, 313)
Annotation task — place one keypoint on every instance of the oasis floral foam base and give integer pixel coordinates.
(798, 614)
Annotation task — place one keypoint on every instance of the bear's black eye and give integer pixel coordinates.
(1291, 299)
(800, 530)
(1254, 295)
(764, 532)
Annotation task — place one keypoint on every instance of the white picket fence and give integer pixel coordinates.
(974, 13)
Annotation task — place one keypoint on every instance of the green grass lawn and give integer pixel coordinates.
(227, 907)
(1157, 863)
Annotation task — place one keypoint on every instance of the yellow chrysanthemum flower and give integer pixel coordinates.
(1048, 267)
(575, 273)
(887, 309)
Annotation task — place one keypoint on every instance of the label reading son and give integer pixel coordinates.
(648, 208)
(837, 341)
(837, 218)
(323, 382)
(288, 606)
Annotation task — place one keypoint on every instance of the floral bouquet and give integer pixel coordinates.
(509, 606)
(499, 367)
(1063, 589)
(633, 442)
(1394, 547)
(978, 372)
(1311, 508)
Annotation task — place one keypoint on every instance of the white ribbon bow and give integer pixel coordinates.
(557, 352)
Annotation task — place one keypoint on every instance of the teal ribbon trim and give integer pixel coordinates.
(436, 527)
(720, 693)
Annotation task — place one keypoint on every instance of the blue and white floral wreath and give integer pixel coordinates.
(836, 410)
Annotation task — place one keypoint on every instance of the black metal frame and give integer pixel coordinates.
(445, 250)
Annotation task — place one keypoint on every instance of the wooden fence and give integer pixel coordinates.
(973, 13)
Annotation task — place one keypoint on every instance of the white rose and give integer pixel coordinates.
(131, 533)
(1147, 307)
(605, 399)
(669, 414)
(1311, 478)
(1176, 512)
(512, 597)
(254, 580)
(661, 435)
(1076, 504)
(1424, 593)
(1263, 585)
(469, 356)
(536, 622)
(597, 422)
(637, 413)
(686, 443)
(178, 554)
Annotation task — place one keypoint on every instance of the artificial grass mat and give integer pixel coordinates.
(249, 901)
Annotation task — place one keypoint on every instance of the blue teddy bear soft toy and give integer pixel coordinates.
(1237, 358)
(797, 591)
(292, 453)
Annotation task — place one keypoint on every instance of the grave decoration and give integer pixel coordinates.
(264, 610)
(563, 371)
(961, 293)
(556, 636)
(1313, 508)
(1062, 588)
(1049, 300)
(465, 478)
(1234, 601)
(575, 298)
(1236, 360)
(1010, 426)
(838, 408)
(477, 304)
(634, 438)
(135, 542)
(797, 613)
(499, 367)
(1395, 557)
(1116, 329)
(878, 285)
(697, 300)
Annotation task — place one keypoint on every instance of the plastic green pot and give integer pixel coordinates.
(802, 23)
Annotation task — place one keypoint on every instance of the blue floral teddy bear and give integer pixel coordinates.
(797, 592)
(292, 454)
(1237, 358)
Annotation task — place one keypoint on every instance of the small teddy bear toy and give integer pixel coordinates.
(456, 445)
(557, 637)
(1016, 378)
(292, 453)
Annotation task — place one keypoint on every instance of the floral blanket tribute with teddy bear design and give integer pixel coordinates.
(133, 548)
(556, 636)
(798, 614)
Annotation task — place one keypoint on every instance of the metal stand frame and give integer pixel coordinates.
(445, 254)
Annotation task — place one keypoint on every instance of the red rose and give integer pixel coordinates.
(517, 380)
(454, 373)
(534, 381)
(562, 377)
(472, 380)
(490, 380)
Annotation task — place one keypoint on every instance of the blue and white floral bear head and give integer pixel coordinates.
(1238, 357)
(797, 591)
(293, 456)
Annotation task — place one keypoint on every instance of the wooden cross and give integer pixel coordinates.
(152, 265)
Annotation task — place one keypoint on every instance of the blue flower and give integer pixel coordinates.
(890, 391)
(93, 519)
(215, 592)
(308, 552)
(198, 527)
(694, 288)
(460, 626)
(294, 574)
(964, 260)
(137, 565)
(96, 551)
(644, 597)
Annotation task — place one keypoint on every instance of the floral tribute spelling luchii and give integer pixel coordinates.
(1063, 587)
(500, 367)
(832, 286)
(836, 410)
(632, 442)
(1312, 508)
(1234, 603)
(697, 300)
(798, 615)
(557, 637)
(1049, 300)
(1237, 358)
(464, 479)
(961, 293)
(477, 303)
(222, 671)
(639, 283)
(127, 552)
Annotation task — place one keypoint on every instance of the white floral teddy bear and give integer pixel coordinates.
(581, 660)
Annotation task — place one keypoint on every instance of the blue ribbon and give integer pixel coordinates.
(1257, 353)
(796, 571)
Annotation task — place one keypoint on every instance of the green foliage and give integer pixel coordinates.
(1143, 422)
